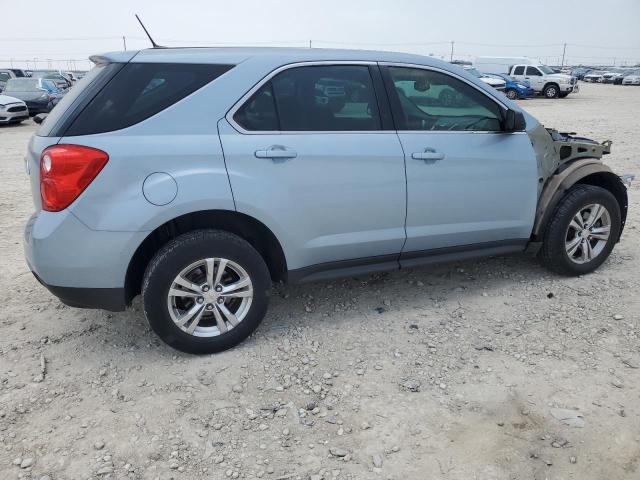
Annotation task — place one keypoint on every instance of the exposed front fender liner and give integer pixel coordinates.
(586, 170)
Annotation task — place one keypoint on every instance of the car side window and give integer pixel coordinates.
(533, 71)
(519, 70)
(430, 100)
(315, 98)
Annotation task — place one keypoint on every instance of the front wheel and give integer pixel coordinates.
(511, 94)
(582, 231)
(206, 291)
(551, 91)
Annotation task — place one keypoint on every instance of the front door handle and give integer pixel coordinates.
(276, 151)
(428, 154)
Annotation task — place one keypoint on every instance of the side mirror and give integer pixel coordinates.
(40, 118)
(514, 121)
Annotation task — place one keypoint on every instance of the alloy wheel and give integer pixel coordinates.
(210, 297)
(588, 233)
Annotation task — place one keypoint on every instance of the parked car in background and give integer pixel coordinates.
(497, 83)
(18, 72)
(60, 80)
(595, 76)
(53, 90)
(633, 78)
(5, 75)
(541, 78)
(310, 164)
(37, 93)
(580, 72)
(3, 80)
(12, 110)
(614, 75)
(514, 90)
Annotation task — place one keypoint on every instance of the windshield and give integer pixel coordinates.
(546, 70)
(22, 85)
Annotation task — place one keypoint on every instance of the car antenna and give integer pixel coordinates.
(155, 45)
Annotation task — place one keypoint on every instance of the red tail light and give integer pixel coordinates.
(65, 171)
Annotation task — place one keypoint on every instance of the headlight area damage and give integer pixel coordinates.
(565, 160)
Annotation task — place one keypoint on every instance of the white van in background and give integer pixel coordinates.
(541, 78)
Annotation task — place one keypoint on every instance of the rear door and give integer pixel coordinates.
(469, 184)
(535, 78)
(313, 155)
(518, 73)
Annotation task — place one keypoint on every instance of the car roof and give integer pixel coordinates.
(281, 55)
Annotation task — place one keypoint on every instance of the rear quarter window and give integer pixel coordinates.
(139, 91)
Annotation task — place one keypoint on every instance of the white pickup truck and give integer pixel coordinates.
(541, 78)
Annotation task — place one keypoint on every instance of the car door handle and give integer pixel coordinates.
(428, 154)
(276, 151)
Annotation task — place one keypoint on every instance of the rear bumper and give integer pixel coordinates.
(112, 299)
(83, 267)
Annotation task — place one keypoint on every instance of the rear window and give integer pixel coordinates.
(139, 91)
(77, 96)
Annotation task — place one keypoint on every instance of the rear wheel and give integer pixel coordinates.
(206, 291)
(582, 231)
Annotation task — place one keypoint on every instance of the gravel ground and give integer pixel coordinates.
(488, 369)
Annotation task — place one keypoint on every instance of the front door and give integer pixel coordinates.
(468, 183)
(310, 156)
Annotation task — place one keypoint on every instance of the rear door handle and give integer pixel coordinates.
(276, 151)
(428, 154)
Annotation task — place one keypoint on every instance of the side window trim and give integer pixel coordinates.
(387, 127)
(397, 109)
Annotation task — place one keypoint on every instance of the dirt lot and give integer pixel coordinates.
(491, 369)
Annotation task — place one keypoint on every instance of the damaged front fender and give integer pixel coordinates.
(565, 160)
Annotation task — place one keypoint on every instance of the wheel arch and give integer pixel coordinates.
(587, 171)
(551, 83)
(245, 226)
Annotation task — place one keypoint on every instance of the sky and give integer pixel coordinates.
(598, 32)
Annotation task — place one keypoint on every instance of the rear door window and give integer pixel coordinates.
(534, 72)
(139, 91)
(519, 70)
(314, 99)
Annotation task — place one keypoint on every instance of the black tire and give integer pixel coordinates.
(551, 91)
(185, 250)
(511, 94)
(553, 254)
(563, 95)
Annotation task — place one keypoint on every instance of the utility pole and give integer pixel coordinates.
(124, 42)
(451, 59)
(564, 51)
(310, 44)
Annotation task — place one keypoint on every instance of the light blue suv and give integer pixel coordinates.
(199, 176)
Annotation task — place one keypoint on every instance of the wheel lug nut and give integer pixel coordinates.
(218, 288)
(221, 300)
(209, 306)
(200, 300)
(205, 288)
